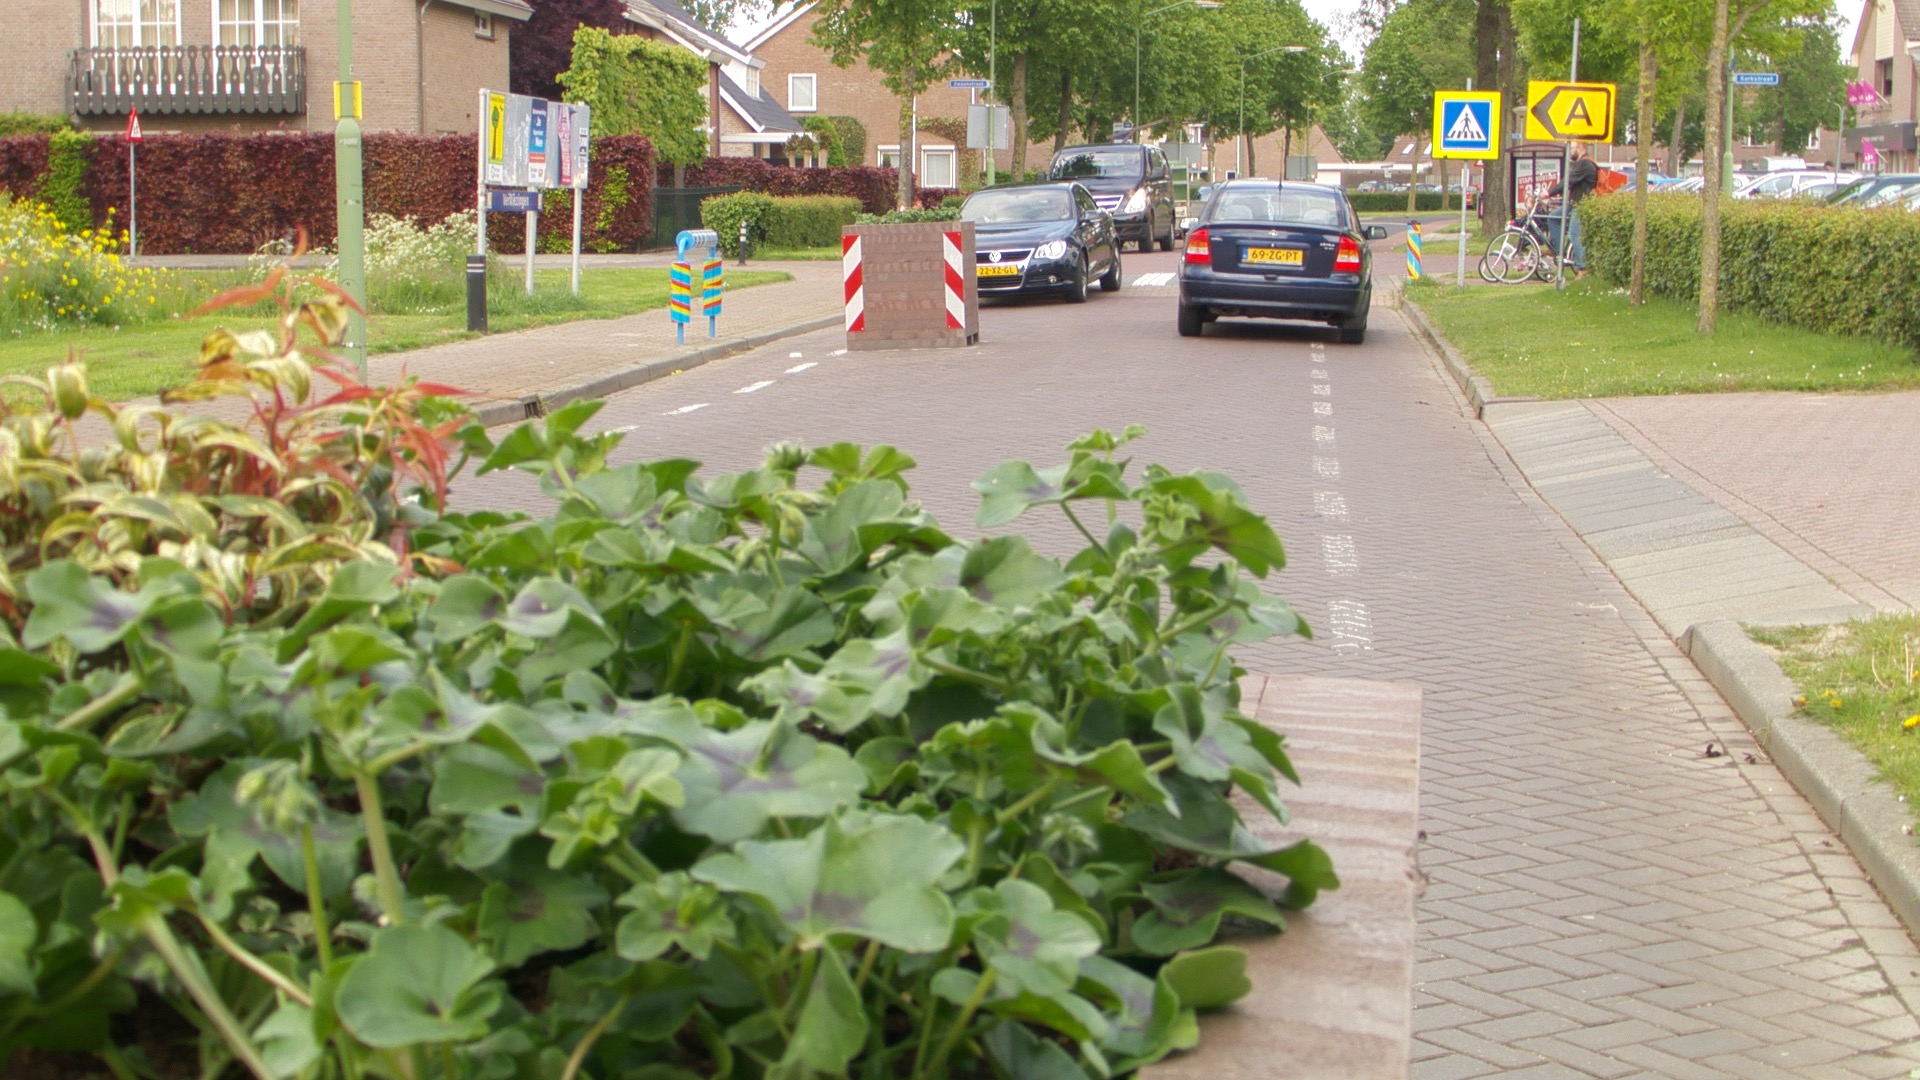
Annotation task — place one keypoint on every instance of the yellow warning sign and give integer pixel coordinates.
(1577, 112)
(496, 128)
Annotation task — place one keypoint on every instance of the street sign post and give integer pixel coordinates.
(135, 137)
(526, 145)
(1466, 124)
(969, 84)
(1570, 111)
(1756, 78)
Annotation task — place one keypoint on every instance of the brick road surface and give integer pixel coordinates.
(1606, 900)
(1811, 472)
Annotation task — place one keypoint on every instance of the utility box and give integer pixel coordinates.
(910, 286)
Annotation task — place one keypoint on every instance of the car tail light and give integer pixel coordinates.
(1347, 259)
(1197, 249)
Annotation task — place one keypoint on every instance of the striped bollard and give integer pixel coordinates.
(713, 280)
(952, 245)
(1413, 251)
(852, 274)
(680, 299)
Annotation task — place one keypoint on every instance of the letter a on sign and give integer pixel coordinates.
(1581, 112)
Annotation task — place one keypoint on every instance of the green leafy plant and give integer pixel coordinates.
(692, 776)
(641, 87)
(826, 135)
(68, 154)
(908, 217)
(53, 277)
(724, 214)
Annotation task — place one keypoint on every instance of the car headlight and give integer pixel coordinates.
(1052, 249)
(1136, 202)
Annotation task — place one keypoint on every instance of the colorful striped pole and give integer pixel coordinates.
(680, 298)
(713, 279)
(1413, 251)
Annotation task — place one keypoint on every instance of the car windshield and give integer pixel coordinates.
(1008, 207)
(1288, 206)
(1078, 164)
(1851, 191)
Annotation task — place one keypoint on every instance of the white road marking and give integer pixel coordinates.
(838, 352)
(1326, 467)
(1329, 504)
(1338, 554)
(793, 356)
(1323, 408)
(1323, 389)
(1322, 435)
(1152, 281)
(685, 409)
(798, 368)
(1349, 626)
(1319, 373)
(622, 430)
(761, 385)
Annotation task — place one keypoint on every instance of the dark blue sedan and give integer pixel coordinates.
(1266, 250)
(1042, 238)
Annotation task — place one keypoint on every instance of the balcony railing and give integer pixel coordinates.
(188, 80)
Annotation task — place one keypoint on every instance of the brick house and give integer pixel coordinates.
(1886, 56)
(253, 65)
(802, 77)
(752, 123)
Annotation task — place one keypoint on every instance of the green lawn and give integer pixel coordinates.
(137, 361)
(1860, 680)
(805, 254)
(1589, 342)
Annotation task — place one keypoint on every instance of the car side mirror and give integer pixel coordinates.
(1187, 224)
(1374, 232)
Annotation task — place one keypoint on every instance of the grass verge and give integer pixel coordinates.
(804, 254)
(1588, 342)
(140, 360)
(1861, 679)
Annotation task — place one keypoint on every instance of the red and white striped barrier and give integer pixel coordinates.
(954, 245)
(850, 272)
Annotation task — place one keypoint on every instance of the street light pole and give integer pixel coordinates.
(349, 198)
(1241, 128)
(993, 88)
(1203, 5)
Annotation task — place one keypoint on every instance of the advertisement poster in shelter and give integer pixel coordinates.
(530, 142)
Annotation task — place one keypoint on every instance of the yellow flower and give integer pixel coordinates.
(1911, 721)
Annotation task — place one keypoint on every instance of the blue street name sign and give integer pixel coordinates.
(969, 84)
(509, 201)
(1756, 78)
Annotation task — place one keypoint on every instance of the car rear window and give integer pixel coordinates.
(1081, 164)
(1282, 206)
(1006, 207)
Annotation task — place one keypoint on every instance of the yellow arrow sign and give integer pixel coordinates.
(496, 128)
(1580, 112)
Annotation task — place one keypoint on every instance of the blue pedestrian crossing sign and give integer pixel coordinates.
(1466, 124)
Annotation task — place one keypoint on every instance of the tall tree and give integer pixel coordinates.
(541, 48)
(1423, 46)
(909, 42)
(1494, 54)
(1026, 45)
(718, 15)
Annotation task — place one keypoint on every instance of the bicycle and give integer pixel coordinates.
(1521, 251)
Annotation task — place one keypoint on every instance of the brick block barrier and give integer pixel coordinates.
(910, 286)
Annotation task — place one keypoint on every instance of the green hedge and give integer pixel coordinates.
(1826, 268)
(19, 123)
(1389, 201)
(911, 217)
(795, 221)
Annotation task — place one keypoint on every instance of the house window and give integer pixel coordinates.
(256, 22)
(753, 82)
(887, 157)
(1883, 78)
(803, 93)
(483, 25)
(937, 167)
(1409, 148)
(135, 23)
(1813, 140)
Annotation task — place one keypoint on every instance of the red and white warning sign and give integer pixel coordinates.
(134, 134)
(856, 291)
(953, 246)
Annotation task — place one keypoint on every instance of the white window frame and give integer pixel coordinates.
(483, 25)
(927, 154)
(812, 82)
(753, 82)
(139, 28)
(289, 32)
(1813, 139)
(882, 153)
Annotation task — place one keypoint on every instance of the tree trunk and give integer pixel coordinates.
(1066, 112)
(1488, 30)
(1286, 152)
(1710, 207)
(1642, 160)
(1251, 171)
(905, 190)
(1018, 165)
(1676, 153)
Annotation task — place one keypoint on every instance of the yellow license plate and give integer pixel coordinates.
(1276, 256)
(999, 270)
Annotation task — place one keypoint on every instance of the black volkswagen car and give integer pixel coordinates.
(1131, 182)
(1270, 250)
(1044, 237)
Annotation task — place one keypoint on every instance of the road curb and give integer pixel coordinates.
(1837, 779)
(509, 412)
(1475, 386)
